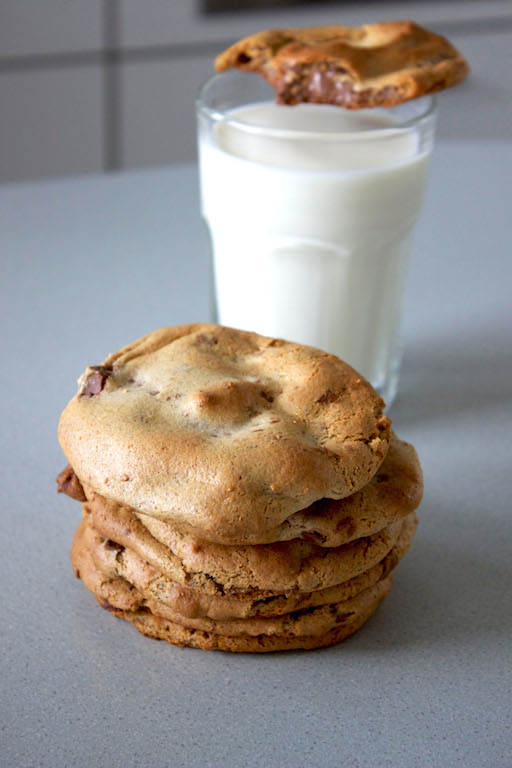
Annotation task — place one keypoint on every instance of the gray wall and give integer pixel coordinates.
(107, 84)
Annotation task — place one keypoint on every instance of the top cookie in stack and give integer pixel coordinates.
(240, 492)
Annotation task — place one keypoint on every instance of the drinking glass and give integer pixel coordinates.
(310, 211)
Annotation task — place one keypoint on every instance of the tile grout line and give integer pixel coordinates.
(112, 106)
(161, 52)
(93, 58)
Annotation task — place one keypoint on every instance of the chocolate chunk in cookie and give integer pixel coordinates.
(94, 379)
(68, 483)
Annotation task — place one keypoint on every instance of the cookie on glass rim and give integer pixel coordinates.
(375, 65)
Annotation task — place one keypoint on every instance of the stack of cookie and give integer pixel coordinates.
(238, 492)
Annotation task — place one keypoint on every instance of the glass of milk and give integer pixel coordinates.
(311, 211)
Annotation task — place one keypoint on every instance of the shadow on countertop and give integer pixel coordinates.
(442, 377)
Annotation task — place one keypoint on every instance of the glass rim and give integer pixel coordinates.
(218, 115)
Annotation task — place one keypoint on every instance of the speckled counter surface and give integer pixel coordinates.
(90, 264)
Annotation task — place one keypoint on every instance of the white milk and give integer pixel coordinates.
(311, 234)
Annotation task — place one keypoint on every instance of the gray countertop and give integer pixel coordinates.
(90, 264)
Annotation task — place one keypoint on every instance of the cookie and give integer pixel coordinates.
(394, 491)
(223, 432)
(318, 623)
(281, 567)
(115, 561)
(108, 591)
(163, 629)
(381, 64)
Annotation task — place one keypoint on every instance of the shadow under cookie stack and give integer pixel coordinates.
(238, 492)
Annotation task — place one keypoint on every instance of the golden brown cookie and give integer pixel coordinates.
(393, 492)
(379, 64)
(223, 432)
(115, 561)
(281, 567)
(106, 589)
(318, 623)
(163, 629)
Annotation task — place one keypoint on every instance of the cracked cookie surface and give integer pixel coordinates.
(215, 568)
(309, 628)
(224, 431)
(115, 561)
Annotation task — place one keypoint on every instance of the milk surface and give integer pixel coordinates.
(311, 232)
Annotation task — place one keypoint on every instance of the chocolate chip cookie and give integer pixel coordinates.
(373, 65)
